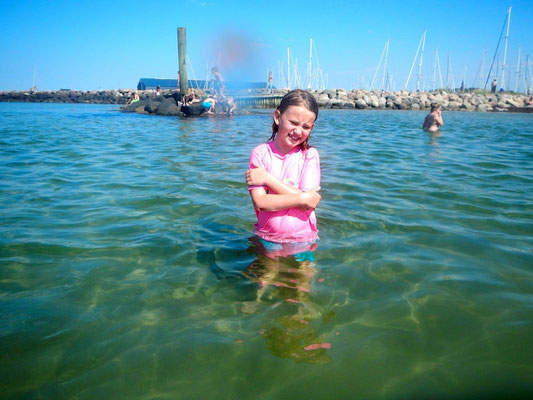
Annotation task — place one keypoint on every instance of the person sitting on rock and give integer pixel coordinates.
(190, 98)
(158, 90)
(134, 98)
(433, 120)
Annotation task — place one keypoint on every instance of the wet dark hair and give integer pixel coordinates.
(299, 98)
(435, 106)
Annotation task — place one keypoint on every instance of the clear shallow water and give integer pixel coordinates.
(126, 269)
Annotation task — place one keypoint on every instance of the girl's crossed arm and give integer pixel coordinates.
(286, 196)
(275, 202)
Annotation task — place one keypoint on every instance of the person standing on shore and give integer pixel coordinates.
(433, 120)
(493, 86)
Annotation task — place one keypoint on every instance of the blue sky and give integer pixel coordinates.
(98, 44)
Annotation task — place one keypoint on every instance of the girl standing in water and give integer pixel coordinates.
(284, 179)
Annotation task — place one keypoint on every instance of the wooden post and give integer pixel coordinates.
(182, 60)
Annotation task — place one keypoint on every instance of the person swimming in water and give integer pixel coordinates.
(433, 120)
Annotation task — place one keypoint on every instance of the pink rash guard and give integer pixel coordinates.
(299, 168)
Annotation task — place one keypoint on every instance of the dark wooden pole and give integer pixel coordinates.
(182, 60)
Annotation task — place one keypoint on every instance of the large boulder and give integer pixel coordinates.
(454, 106)
(374, 101)
(169, 107)
(133, 106)
(361, 104)
(151, 106)
(514, 103)
(193, 110)
(336, 103)
(322, 99)
(349, 104)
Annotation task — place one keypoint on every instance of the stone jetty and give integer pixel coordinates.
(404, 100)
(167, 103)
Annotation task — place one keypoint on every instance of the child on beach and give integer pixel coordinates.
(433, 120)
(284, 179)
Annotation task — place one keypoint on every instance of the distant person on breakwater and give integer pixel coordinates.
(158, 90)
(284, 180)
(209, 105)
(433, 120)
(134, 98)
(228, 104)
(269, 82)
(493, 86)
(190, 98)
(218, 82)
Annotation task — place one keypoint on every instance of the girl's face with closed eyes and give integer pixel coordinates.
(294, 127)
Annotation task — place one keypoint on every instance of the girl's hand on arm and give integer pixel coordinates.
(258, 176)
(310, 199)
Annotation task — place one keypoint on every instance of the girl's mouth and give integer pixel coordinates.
(293, 138)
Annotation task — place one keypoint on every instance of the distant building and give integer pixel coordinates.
(152, 83)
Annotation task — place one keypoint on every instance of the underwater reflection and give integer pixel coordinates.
(284, 274)
(434, 143)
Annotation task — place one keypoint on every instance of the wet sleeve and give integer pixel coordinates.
(311, 171)
(256, 159)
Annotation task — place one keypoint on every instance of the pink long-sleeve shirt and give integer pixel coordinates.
(299, 168)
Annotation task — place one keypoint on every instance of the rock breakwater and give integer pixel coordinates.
(404, 100)
(331, 98)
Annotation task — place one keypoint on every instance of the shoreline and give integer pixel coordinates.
(329, 98)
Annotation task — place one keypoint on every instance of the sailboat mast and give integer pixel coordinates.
(288, 68)
(505, 49)
(377, 69)
(310, 65)
(517, 71)
(438, 66)
(482, 74)
(448, 73)
(434, 68)
(413, 64)
(385, 67)
(420, 61)
(34, 77)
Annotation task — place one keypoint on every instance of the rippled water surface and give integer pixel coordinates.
(126, 269)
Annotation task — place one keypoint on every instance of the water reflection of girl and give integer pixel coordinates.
(284, 281)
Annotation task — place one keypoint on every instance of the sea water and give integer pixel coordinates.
(127, 268)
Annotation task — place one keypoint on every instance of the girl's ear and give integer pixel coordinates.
(277, 116)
